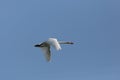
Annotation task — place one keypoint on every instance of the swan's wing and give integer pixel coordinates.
(47, 53)
(54, 43)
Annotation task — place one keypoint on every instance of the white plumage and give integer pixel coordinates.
(53, 42)
(46, 52)
(45, 46)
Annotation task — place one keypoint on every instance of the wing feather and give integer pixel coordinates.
(47, 53)
(54, 43)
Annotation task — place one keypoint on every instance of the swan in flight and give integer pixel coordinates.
(45, 46)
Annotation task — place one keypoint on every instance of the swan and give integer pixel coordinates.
(45, 46)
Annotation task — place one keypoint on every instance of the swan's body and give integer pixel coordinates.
(45, 46)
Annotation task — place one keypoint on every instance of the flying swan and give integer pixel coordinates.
(45, 46)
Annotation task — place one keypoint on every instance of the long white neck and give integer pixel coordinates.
(63, 42)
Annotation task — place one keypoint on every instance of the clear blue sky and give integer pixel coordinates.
(93, 25)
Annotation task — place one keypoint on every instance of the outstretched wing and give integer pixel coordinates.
(54, 43)
(47, 53)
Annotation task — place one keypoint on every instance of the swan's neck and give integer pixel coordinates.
(62, 42)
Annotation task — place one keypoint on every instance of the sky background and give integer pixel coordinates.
(93, 25)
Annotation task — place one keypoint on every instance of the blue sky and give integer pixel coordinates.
(93, 25)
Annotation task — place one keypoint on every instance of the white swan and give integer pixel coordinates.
(45, 46)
